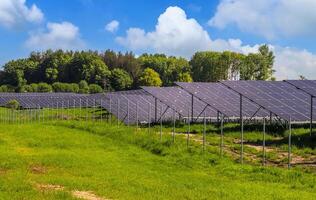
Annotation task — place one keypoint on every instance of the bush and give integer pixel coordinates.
(44, 87)
(13, 104)
(74, 87)
(7, 88)
(34, 87)
(27, 88)
(94, 88)
(150, 77)
(120, 79)
(83, 87)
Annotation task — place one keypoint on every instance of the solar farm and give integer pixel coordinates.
(266, 125)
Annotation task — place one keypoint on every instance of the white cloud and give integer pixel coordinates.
(174, 34)
(177, 35)
(268, 18)
(63, 35)
(112, 26)
(14, 13)
(290, 63)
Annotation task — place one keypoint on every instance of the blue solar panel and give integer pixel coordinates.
(180, 101)
(223, 99)
(278, 97)
(308, 86)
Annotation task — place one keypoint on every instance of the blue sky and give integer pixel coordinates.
(177, 28)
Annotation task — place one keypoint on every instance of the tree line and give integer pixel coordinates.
(92, 71)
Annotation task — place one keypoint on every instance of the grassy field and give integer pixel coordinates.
(73, 160)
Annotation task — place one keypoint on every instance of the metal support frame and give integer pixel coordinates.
(222, 135)
(311, 117)
(160, 122)
(189, 129)
(203, 111)
(204, 132)
(290, 144)
(174, 126)
(264, 143)
(252, 116)
(192, 106)
(149, 117)
(156, 109)
(241, 130)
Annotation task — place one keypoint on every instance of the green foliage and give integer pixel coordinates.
(185, 77)
(120, 79)
(214, 66)
(88, 66)
(83, 87)
(258, 66)
(34, 87)
(65, 87)
(150, 78)
(6, 88)
(168, 68)
(94, 88)
(44, 87)
(13, 104)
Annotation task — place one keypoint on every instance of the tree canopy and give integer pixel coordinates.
(75, 71)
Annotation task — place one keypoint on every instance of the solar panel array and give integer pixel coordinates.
(279, 97)
(180, 101)
(226, 101)
(134, 106)
(289, 99)
(308, 86)
(47, 100)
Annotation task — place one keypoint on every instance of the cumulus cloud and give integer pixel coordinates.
(63, 35)
(14, 13)
(290, 63)
(175, 34)
(268, 18)
(112, 26)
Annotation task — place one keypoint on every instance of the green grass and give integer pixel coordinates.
(119, 163)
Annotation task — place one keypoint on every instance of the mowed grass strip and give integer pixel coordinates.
(51, 161)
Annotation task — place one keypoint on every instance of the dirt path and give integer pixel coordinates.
(280, 155)
(86, 195)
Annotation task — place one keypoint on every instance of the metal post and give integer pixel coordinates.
(74, 110)
(118, 112)
(110, 113)
(136, 115)
(80, 109)
(242, 132)
(101, 108)
(192, 105)
(189, 129)
(160, 122)
(87, 106)
(57, 114)
(204, 132)
(174, 126)
(290, 143)
(311, 112)
(264, 143)
(156, 110)
(128, 113)
(149, 117)
(222, 134)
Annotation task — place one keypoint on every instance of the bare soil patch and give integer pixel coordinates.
(37, 169)
(87, 195)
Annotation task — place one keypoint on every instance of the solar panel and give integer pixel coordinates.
(278, 97)
(226, 101)
(180, 101)
(134, 105)
(47, 100)
(308, 86)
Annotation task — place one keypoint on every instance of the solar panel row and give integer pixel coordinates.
(285, 99)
